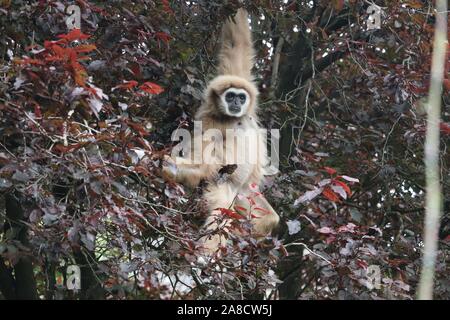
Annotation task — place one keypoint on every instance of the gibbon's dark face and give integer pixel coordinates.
(235, 102)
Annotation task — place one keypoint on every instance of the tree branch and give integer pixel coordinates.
(433, 202)
(321, 64)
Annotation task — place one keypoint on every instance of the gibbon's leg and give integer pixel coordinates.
(220, 196)
(266, 219)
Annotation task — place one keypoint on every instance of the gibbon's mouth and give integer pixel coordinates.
(234, 109)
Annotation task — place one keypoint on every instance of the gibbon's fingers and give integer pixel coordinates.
(172, 167)
(169, 168)
(168, 159)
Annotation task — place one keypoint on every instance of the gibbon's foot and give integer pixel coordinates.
(264, 225)
(211, 243)
(265, 219)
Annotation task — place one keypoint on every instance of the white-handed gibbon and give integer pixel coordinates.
(230, 102)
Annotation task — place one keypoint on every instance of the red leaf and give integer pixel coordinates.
(330, 170)
(284, 250)
(350, 227)
(138, 128)
(330, 195)
(239, 208)
(265, 211)
(338, 5)
(166, 6)
(151, 88)
(74, 60)
(326, 230)
(74, 34)
(419, 90)
(362, 263)
(127, 85)
(48, 44)
(330, 239)
(445, 128)
(29, 61)
(163, 37)
(85, 48)
(136, 69)
(253, 186)
(230, 213)
(447, 84)
(59, 51)
(344, 186)
(37, 110)
(80, 77)
(251, 201)
(79, 73)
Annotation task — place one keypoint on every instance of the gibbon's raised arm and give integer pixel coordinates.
(236, 56)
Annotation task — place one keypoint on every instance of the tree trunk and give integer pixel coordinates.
(24, 281)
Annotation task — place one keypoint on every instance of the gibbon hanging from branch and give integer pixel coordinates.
(230, 105)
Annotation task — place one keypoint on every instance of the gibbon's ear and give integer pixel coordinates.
(214, 96)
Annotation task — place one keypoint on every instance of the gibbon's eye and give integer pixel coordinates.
(242, 97)
(229, 97)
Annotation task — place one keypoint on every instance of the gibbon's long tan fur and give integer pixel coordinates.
(236, 56)
(230, 102)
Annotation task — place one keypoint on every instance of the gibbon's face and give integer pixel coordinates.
(235, 102)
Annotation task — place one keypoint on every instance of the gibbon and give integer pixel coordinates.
(230, 102)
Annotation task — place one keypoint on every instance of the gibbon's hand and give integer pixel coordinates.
(169, 168)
